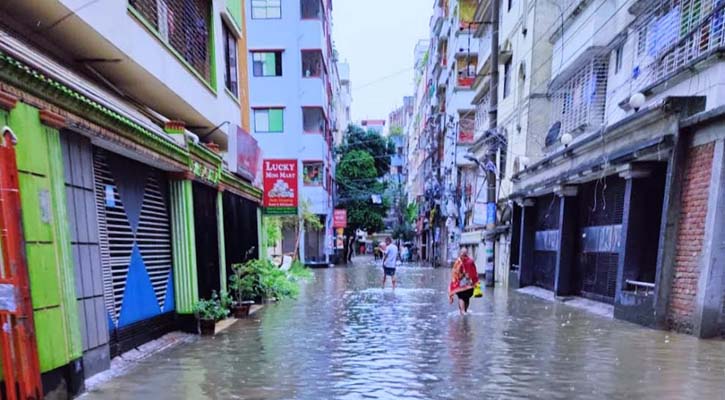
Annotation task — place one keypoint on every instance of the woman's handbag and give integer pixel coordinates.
(477, 292)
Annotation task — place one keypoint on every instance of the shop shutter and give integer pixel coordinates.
(547, 241)
(149, 212)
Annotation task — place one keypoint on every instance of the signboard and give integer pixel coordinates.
(280, 187)
(479, 213)
(247, 155)
(339, 218)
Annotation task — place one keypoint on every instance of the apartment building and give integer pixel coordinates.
(343, 101)
(122, 158)
(622, 204)
(291, 75)
(524, 71)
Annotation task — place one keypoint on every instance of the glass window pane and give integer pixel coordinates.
(276, 120)
(269, 64)
(261, 120)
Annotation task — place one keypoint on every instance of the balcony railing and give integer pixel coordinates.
(580, 101)
(465, 80)
(674, 35)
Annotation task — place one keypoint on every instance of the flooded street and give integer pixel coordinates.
(345, 338)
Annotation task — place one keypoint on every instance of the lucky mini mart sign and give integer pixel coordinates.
(280, 186)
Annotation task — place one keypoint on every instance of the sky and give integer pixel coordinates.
(377, 38)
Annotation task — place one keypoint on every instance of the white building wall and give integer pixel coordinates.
(113, 21)
(291, 91)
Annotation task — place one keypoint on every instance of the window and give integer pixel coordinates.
(268, 120)
(184, 25)
(312, 64)
(230, 59)
(313, 120)
(642, 40)
(313, 173)
(266, 9)
(267, 63)
(311, 9)
(507, 79)
(618, 55)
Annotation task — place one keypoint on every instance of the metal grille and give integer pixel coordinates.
(184, 25)
(673, 34)
(545, 262)
(603, 202)
(153, 236)
(579, 103)
(599, 274)
(482, 117)
(547, 213)
(601, 205)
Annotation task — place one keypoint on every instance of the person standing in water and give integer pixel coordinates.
(390, 257)
(464, 278)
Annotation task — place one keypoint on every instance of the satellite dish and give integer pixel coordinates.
(552, 137)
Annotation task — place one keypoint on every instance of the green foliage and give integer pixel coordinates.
(395, 131)
(262, 279)
(211, 309)
(311, 220)
(411, 212)
(371, 142)
(273, 230)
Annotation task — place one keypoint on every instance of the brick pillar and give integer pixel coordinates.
(526, 247)
(565, 256)
(711, 285)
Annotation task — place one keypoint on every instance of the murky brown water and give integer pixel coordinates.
(345, 338)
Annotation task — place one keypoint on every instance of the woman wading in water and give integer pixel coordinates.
(464, 279)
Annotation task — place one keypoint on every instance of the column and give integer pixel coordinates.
(186, 286)
(526, 247)
(221, 239)
(566, 255)
(711, 285)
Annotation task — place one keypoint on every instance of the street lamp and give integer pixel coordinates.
(636, 101)
(566, 139)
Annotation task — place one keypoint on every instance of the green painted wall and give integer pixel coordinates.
(186, 285)
(47, 238)
(234, 8)
(261, 235)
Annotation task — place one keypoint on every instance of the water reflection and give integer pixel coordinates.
(345, 338)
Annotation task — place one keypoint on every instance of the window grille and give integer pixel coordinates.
(673, 34)
(482, 121)
(579, 103)
(184, 25)
(266, 9)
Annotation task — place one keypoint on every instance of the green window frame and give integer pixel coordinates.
(269, 120)
(267, 63)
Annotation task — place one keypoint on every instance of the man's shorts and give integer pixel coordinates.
(389, 271)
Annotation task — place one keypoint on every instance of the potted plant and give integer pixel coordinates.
(208, 313)
(243, 287)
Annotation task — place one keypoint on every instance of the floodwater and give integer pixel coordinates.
(345, 338)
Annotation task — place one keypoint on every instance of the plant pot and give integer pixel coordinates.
(207, 327)
(242, 310)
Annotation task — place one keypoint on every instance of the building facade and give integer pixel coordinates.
(622, 204)
(291, 72)
(122, 158)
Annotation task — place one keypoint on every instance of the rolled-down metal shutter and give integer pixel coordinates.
(546, 243)
(601, 208)
(135, 237)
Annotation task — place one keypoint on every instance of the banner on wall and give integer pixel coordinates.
(248, 153)
(339, 218)
(280, 187)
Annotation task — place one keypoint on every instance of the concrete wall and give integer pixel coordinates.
(122, 31)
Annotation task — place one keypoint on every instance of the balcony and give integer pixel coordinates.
(466, 71)
(579, 102)
(671, 42)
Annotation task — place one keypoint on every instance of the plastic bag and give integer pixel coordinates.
(477, 292)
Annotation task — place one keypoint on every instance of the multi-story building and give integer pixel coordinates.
(343, 101)
(524, 71)
(291, 70)
(375, 125)
(130, 140)
(623, 204)
(453, 61)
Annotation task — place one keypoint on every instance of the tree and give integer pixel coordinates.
(371, 142)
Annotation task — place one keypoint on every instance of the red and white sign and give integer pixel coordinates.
(280, 185)
(339, 218)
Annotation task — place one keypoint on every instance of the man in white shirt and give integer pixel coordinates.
(389, 261)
